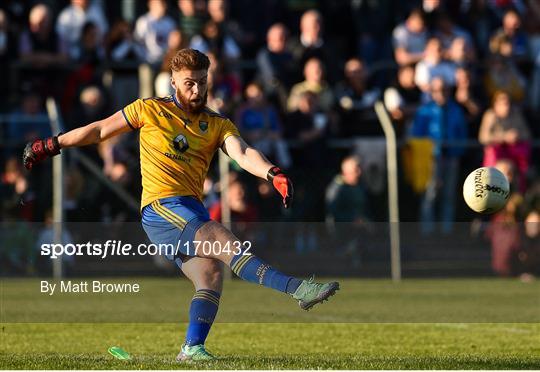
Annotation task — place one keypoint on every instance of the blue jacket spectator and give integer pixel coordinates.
(441, 122)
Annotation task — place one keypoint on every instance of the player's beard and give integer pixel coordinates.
(190, 105)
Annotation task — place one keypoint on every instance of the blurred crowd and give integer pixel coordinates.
(460, 80)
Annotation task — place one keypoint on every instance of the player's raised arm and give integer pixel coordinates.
(253, 161)
(93, 133)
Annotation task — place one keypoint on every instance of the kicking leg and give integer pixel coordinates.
(206, 274)
(251, 268)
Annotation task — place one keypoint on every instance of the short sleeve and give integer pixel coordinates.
(399, 37)
(133, 114)
(227, 129)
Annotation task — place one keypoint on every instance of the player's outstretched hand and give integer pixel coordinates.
(282, 184)
(39, 150)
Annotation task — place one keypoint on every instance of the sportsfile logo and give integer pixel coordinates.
(107, 249)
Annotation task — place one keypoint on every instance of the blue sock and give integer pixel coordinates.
(253, 269)
(202, 312)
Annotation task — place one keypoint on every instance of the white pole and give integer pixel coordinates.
(393, 206)
(58, 188)
(224, 188)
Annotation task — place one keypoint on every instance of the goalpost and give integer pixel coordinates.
(58, 187)
(393, 206)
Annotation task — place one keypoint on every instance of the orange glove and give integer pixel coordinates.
(282, 184)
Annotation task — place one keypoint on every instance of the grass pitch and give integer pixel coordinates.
(369, 324)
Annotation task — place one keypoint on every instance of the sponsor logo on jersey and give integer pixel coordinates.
(178, 157)
(180, 143)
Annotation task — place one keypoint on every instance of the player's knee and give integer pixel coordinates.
(213, 276)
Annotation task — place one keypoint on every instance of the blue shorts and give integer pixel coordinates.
(174, 221)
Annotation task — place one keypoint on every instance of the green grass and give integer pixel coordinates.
(370, 324)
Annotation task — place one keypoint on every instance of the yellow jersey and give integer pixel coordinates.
(176, 147)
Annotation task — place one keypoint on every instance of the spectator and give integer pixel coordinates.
(28, 122)
(466, 96)
(39, 44)
(269, 211)
(93, 105)
(410, 39)
(152, 31)
(432, 65)
(224, 87)
(503, 75)
(241, 209)
(529, 252)
(500, 44)
(275, 64)
(314, 82)
(355, 100)
(120, 44)
(447, 32)
(192, 17)
(90, 50)
(511, 30)
(90, 107)
(478, 18)
(17, 195)
(220, 35)
(74, 187)
(308, 125)
(532, 196)
(459, 53)
(215, 40)
(402, 99)
(258, 122)
(311, 44)
(70, 22)
(307, 128)
(347, 209)
(505, 134)
(440, 120)
(346, 196)
(353, 94)
(218, 12)
(503, 230)
(372, 21)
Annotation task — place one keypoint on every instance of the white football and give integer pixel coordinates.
(486, 190)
